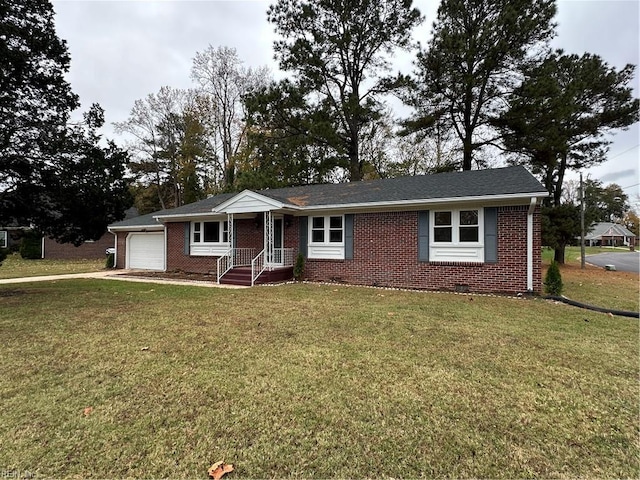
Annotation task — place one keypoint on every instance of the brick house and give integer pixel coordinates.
(476, 231)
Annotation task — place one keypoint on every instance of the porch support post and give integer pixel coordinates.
(230, 238)
(268, 238)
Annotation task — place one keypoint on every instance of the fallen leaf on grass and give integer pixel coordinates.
(87, 411)
(218, 469)
(144, 349)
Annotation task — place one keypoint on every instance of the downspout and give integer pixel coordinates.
(532, 207)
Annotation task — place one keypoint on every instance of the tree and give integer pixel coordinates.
(605, 204)
(225, 81)
(559, 117)
(84, 190)
(560, 227)
(53, 175)
(338, 53)
(169, 146)
(632, 222)
(473, 61)
(287, 142)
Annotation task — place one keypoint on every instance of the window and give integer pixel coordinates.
(442, 227)
(456, 226)
(468, 226)
(4, 239)
(210, 232)
(327, 230)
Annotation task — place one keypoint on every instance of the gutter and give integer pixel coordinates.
(532, 207)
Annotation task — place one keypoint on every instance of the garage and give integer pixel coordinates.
(145, 251)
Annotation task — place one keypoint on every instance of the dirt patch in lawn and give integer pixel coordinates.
(11, 293)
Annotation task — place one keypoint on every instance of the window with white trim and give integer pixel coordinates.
(210, 232)
(4, 239)
(456, 227)
(327, 230)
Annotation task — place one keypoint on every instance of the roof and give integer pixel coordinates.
(608, 229)
(473, 183)
(507, 182)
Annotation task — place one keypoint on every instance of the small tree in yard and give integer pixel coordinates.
(553, 280)
(298, 269)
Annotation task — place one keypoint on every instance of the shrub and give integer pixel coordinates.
(3, 254)
(30, 247)
(298, 268)
(110, 260)
(553, 280)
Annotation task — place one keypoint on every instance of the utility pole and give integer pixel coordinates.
(582, 261)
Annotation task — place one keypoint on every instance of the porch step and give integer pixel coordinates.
(242, 276)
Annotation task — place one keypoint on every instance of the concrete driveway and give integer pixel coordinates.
(624, 261)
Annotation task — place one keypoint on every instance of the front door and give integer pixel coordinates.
(277, 257)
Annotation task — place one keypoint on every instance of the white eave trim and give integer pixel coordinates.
(268, 204)
(524, 198)
(186, 216)
(137, 228)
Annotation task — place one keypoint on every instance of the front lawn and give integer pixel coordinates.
(112, 379)
(15, 266)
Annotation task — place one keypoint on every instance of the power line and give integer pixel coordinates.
(622, 153)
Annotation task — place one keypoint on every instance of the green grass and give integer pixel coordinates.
(311, 381)
(15, 266)
(595, 285)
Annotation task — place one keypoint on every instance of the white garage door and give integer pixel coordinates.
(146, 251)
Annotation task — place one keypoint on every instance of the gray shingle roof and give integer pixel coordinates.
(476, 183)
(607, 229)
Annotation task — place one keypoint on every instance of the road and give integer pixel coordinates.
(625, 261)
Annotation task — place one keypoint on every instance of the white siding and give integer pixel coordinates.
(330, 252)
(204, 250)
(456, 254)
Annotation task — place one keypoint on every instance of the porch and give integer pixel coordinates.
(246, 266)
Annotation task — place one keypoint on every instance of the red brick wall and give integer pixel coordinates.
(248, 235)
(386, 254)
(121, 248)
(88, 250)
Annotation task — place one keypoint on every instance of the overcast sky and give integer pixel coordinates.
(122, 51)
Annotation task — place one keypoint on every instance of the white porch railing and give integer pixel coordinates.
(225, 263)
(234, 257)
(265, 260)
(242, 257)
(257, 267)
(281, 257)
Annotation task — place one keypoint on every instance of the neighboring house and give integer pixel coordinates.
(11, 235)
(476, 231)
(89, 249)
(607, 234)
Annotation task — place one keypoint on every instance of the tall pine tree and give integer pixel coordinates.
(338, 53)
(472, 62)
(48, 168)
